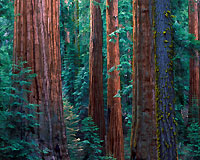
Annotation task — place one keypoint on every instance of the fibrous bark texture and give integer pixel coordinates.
(96, 106)
(199, 53)
(37, 41)
(115, 144)
(198, 19)
(134, 68)
(194, 96)
(143, 140)
(163, 48)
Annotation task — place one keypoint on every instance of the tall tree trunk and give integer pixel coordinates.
(76, 34)
(77, 42)
(37, 41)
(115, 143)
(199, 52)
(194, 96)
(144, 118)
(198, 19)
(163, 48)
(65, 34)
(96, 105)
(134, 76)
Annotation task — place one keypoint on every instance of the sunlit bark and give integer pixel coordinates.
(115, 144)
(194, 96)
(37, 41)
(134, 77)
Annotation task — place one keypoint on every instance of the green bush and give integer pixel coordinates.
(17, 116)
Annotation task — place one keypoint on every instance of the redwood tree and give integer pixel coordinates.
(198, 19)
(115, 144)
(37, 41)
(194, 96)
(96, 106)
(143, 138)
(199, 53)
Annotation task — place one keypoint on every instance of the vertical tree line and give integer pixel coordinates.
(70, 45)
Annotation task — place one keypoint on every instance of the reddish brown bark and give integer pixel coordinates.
(199, 19)
(67, 32)
(134, 68)
(199, 53)
(37, 41)
(143, 140)
(96, 107)
(76, 33)
(194, 95)
(115, 144)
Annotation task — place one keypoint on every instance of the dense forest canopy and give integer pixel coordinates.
(99, 79)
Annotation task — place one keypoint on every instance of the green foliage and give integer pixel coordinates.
(76, 76)
(75, 53)
(91, 141)
(191, 151)
(72, 121)
(83, 139)
(16, 114)
(126, 52)
(194, 141)
(82, 87)
(6, 30)
(125, 67)
(184, 47)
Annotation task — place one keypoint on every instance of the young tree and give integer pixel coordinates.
(96, 105)
(37, 41)
(163, 48)
(115, 144)
(143, 138)
(194, 96)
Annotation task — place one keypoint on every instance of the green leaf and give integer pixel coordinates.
(117, 95)
(111, 69)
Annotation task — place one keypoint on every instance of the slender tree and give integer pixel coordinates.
(115, 144)
(143, 140)
(163, 48)
(76, 34)
(199, 52)
(37, 41)
(76, 16)
(198, 19)
(65, 33)
(96, 106)
(194, 63)
(134, 68)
